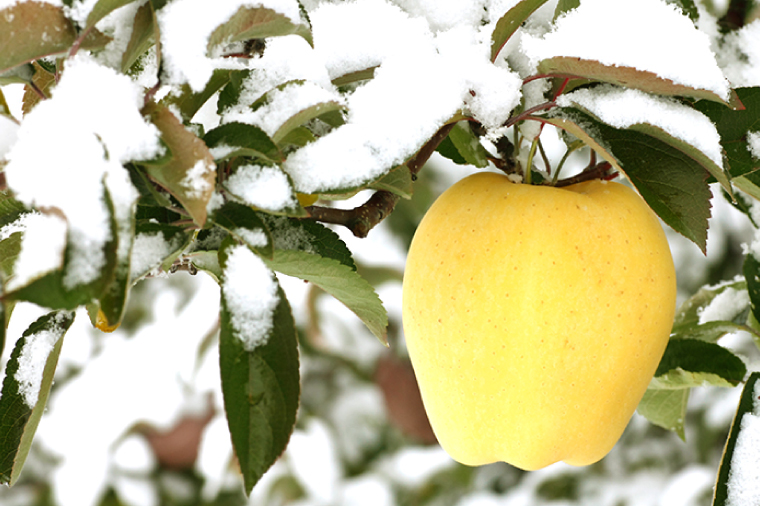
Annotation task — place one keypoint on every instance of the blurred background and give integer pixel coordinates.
(136, 417)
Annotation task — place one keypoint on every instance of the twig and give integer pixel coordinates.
(602, 170)
(527, 112)
(364, 218)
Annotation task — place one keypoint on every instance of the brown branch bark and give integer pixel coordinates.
(364, 218)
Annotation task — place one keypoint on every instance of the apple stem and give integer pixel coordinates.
(364, 218)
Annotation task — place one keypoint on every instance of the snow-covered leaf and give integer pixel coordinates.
(101, 9)
(510, 22)
(398, 181)
(692, 309)
(564, 6)
(156, 246)
(672, 183)
(265, 187)
(245, 224)
(709, 331)
(733, 127)
(738, 480)
(468, 145)
(144, 35)
(28, 378)
(21, 25)
(240, 139)
(307, 236)
(189, 102)
(189, 176)
(628, 77)
(257, 23)
(665, 408)
(258, 359)
(338, 280)
(690, 362)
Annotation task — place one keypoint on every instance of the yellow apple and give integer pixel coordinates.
(535, 317)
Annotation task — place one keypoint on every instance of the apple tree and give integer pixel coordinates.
(241, 140)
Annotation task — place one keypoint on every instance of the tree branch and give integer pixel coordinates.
(364, 218)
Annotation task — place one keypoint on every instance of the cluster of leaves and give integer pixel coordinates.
(261, 386)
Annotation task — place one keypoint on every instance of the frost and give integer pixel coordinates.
(623, 108)
(673, 48)
(725, 306)
(744, 479)
(184, 42)
(32, 360)
(90, 126)
(287, 236)
(263, 187)
(250, 295)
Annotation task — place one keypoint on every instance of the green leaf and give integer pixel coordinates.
(398, 181)
(355, 77)
(144, 35)
(688, 7)
(733, 127)
(281, 96)
(752, 277)
(103, 8)
(665, 408)
(307, 236)
(298, 137)
(739, 457)
(189, 102)
(564, 6)
(468, 145)
(26, 388)
(690, 310)
(338, 280)
(710, 331)
(246, 225)
(189, 176)
(260, 385)
(672, 183)
(510, 22)
(21, 26)
(689, 363)
(629, 77)
(10, 247)
(447, 149)
(240, 139)
(10, 208)
(257, 23)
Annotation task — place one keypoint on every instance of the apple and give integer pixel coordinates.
(535, 317)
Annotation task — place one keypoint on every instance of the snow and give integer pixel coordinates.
(93, 125)
(725, 306)
(753, 140)
(739, 56)
(256, 238)
(32, 360)
(149, 251)
(184, 42)
(250, 294)
(744, 478)
(623, 108)
(42, 247)
(281, 105)
(443, 15)
(610, 31)
(195, 181)
(263, 187)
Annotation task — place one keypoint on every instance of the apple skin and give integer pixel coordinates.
(535, 317)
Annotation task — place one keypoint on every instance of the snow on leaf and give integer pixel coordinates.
(738, 480)
(264, 187)
(245, 224)
(29, 376)
(257, 23)
(189, 176)
(250, 295)
(185, 45)
(647, 44)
